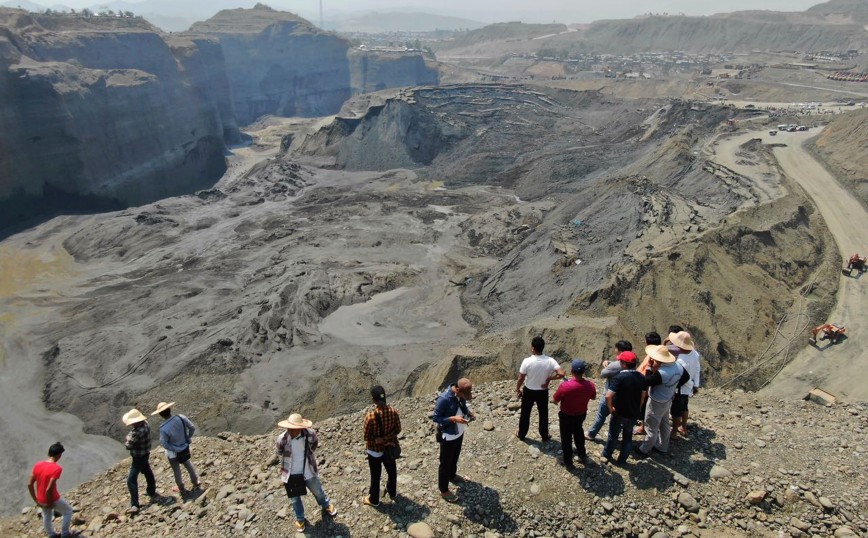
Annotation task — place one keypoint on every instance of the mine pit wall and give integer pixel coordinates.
(371, 72)
(98, 120)
(276, 72)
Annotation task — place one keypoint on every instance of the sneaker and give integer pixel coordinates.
(300, 526)
(331, 510)
(133, 510)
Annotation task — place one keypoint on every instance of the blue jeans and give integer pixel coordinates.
(314, 486)
(64, 509)
(602, 413)
(623, 427)
(140, 465)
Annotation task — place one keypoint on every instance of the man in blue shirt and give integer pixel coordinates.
(175, 434)
(452, 416)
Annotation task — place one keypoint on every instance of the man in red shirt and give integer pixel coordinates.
(43, 490)
(573, 396)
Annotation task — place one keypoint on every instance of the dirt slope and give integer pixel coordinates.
(842, 146)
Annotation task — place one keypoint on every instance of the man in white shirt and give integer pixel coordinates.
(688, 357)
(536, 372)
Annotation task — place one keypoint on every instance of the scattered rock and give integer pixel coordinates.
(420, 530)
(687, 502)
(718, 471)
(756, 496)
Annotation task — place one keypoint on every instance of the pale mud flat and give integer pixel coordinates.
(32, 276)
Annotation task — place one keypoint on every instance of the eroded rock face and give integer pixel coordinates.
(104, 112)
(279, 63)
(372, 71)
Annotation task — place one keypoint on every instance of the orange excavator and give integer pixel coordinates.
(832, 331)
(856, 263)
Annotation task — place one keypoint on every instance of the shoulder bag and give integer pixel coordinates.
(295, 485)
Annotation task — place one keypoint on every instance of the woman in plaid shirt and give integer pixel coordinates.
(381, 429)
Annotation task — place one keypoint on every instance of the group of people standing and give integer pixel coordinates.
(660, 386)
(652, 391)
(175, 434)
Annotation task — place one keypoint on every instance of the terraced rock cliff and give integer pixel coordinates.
(279, 63)
(107, 112)
(104, 112)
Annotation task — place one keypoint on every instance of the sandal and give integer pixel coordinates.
(449, 497)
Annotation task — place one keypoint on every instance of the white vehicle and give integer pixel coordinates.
(773, 132)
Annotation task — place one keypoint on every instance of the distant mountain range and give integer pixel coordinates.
(837, 25)
(174, 15)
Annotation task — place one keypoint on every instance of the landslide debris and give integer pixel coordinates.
(569, 214)
(750, 467)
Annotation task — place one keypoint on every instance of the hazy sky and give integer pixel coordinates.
(503, 10)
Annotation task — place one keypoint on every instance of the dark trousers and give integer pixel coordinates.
(376, 465)
(449, 453)
(140, 465)
(572, 432)
(623, 428)
(528, 399)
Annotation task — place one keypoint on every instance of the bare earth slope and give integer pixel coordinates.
(842, 145)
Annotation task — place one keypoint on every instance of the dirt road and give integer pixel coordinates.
(827, 367)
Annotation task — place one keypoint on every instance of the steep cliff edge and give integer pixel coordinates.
(103, 112)
(279, 63)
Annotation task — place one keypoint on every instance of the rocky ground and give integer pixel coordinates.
(750, 467)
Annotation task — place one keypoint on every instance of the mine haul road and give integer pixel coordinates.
(829, 367)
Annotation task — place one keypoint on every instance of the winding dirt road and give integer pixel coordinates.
(832, 368)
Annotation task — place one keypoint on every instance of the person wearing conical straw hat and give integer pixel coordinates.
(688, 358)
(298, 468)
(662, 377)
(138, 442)
(175, 434)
